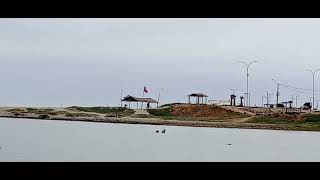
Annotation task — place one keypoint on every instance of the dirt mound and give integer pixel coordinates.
(201, 111)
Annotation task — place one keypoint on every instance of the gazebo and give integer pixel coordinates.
(135, 99)
(198, 96)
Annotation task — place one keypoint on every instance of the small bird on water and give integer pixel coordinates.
(157, 131)
(163, 131)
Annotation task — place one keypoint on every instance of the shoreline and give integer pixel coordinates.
(212, 117)
(150, 121)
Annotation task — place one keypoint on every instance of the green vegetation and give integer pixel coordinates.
(306, 123)
(164, 112)
(313, 118)
(231, 114)
(104, 110)
(141, 116)
(80, 115)
(266, 120)
(78, 111)
(17, 110)
(42, 111)
(170, 104)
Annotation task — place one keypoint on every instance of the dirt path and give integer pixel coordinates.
(141, 111)
(236, 109)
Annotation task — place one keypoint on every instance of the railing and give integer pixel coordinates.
(293, 110)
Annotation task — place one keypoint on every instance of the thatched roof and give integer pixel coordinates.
(198, 95)
(135, 99)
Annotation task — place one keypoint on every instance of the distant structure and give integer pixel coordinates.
(137, 100)
(219, 102)
(233, 100)
(241, 101)
(198, 96)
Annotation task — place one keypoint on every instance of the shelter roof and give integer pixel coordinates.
(136, 99)
(198, 95)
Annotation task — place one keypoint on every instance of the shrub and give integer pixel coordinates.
(160, 112)
(103, 110)
(312, 118)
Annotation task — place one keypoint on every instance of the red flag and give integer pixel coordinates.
(145, 89)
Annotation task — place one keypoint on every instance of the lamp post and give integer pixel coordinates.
(247, 67)
(262, 100)
(277, 94)
(313, 72)
(268, 97)
(121, 98)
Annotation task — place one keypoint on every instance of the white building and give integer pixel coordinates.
(220, 102)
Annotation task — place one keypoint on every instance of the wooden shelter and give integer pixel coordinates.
(137, 100)
(198, 96)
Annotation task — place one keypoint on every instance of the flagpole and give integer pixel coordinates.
(142, 96)
(121, 97)
(158, 100)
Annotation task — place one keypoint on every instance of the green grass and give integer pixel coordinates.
(170, 104)
(313, 118)
(266, 120)
(141, 116)
(42, 111)
(104, 110)
(17, 110)
(308, 123)
(80, 115)
(160, 112)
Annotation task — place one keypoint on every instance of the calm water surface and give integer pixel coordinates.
(41, 140)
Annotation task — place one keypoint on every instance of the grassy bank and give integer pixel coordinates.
(74, 111)
(310, 122)
(104, 110)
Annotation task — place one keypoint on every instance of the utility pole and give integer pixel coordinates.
(262, 100)
(313, 72)
(277, 94)
(247, 68)
(158, 100)
(268, 97)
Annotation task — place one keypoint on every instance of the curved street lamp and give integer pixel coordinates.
(247, 66)
(234, 90)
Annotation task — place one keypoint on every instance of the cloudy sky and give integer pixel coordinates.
(48, 62)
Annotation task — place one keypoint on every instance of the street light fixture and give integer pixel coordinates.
(313, 72)
(247, 66)
(277, 94)
(234, 90)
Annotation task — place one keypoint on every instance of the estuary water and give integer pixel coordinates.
(46, 140)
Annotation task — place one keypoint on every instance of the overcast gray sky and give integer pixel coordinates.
(48, 62)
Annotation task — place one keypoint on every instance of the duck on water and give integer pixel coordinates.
(163, 131)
